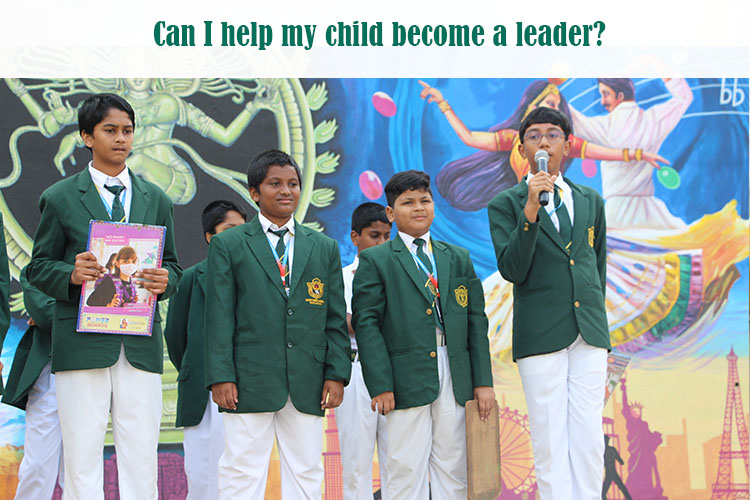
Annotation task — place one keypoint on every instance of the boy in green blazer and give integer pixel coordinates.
(31, 387)
(422, 335)
(555, 256)
(278, 354)
(99, 373)
(203, 441)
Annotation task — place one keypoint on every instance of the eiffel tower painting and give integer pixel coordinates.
(725, 488)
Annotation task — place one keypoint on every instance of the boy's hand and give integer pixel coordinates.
(225, 395)
(485, 398)
(541, 181)
(383, 403)
(86, 269)
(333, 394)
(153, 279)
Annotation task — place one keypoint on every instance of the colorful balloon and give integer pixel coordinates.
(370, 184)
(668, 177)
(588, 166)
(383, 104)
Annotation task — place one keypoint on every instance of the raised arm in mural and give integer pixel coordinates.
(470, 182)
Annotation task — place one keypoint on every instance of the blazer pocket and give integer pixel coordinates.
(319, 353)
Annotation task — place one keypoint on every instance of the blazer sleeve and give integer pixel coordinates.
(46, 270)
(169, 256)
(220, 314)
(479, 344)
(39, 306)
(176, 330)
(338, 352)
(514, 238)
(368, 307)
(600, 242)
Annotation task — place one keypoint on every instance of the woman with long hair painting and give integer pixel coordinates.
(469, 183)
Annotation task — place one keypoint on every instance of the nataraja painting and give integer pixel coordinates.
(669, 157)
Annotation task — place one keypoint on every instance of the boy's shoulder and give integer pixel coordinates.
(313, 234)
(508, 195)
(63, 187)
(194, 270)
(455, 249)
(150, 188)
(232, 235)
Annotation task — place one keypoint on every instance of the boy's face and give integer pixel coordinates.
(231, 219)
(557, 148)
(111, 140)
(373, 235)
(413, 212)
(278, 194)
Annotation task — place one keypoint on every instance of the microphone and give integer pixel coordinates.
(541, 158)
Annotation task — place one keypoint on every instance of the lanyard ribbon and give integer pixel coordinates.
(432, 276)
(281, 263)
(107, 206)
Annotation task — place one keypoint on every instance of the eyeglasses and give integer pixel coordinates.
(553, 137)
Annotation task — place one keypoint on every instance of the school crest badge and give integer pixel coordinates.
(315, 291)
(462, 296)
(591, 236)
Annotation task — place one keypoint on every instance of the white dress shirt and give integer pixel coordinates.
(100, 180)
(566, 194)
(273, 239)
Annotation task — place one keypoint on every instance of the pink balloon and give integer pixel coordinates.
(383, 104)
(588, 166)
(370, 184)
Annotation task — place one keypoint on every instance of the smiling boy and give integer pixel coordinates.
(278, 354)
(555, 256)
(422, 335)
(99, 374)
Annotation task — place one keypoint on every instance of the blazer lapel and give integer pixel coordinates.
(443, 263)
(200, 276)
(139, 202)
(90, 197)
(258, 243)
(303, 246)
(580, 210)
(403, 255)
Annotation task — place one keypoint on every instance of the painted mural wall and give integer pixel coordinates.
(677, 275)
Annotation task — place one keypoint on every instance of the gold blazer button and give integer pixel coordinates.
(572, 262)
(433, 354)
(429, 312)
(577, 304)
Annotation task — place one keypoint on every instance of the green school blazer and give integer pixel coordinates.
(393, 319)
(67, 208)
(34, 349)
(271, 346)
(185, 333)
(556, 294)
(4, 292)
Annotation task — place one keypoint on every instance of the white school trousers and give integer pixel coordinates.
(565, 397)
(359, 428)
(427, 446)
(42, 446)
(85, 399)
(248, 441)
(203, 445)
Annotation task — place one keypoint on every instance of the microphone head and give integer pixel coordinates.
(541, 154)
(541, 158)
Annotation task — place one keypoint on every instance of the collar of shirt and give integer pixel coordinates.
(267, 224)
(409, 242)
(100, 179)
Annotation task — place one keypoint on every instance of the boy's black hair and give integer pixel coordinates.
(216, 212)
(545, 115)
(95, 108)
(407, 180)
(366, 214)
(624, 85)
(264, 160)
